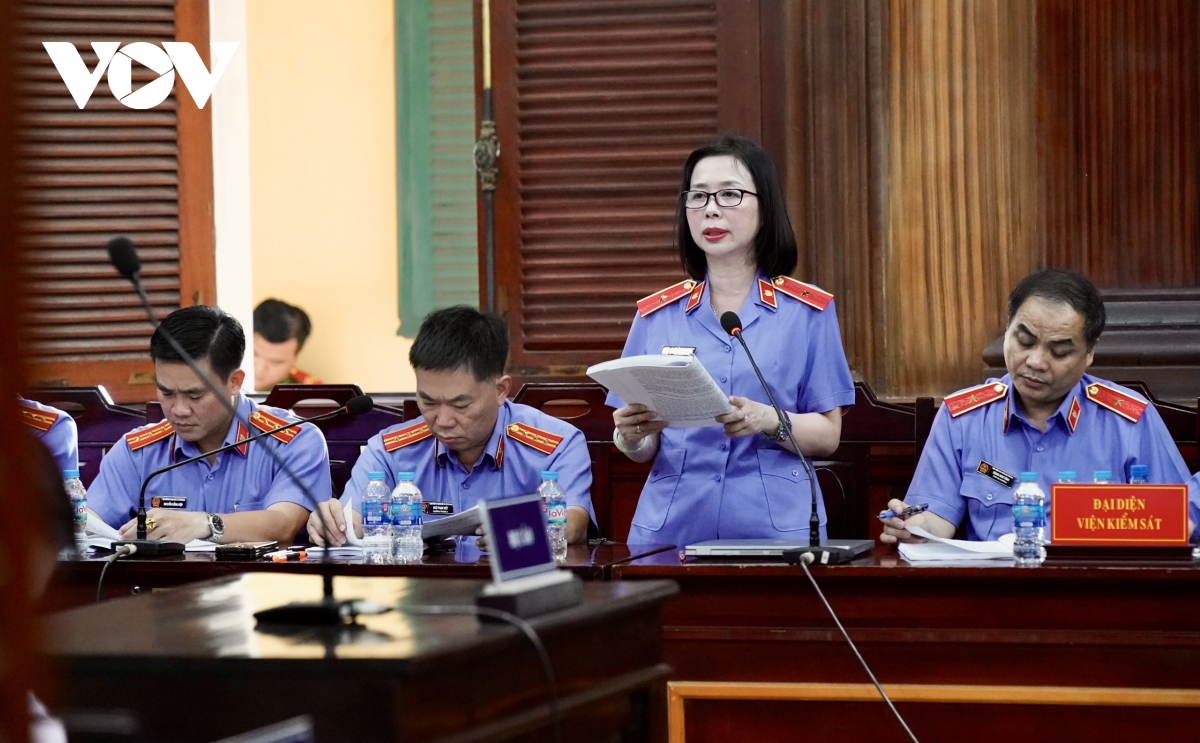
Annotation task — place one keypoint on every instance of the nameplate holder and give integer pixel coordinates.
(1119, 515)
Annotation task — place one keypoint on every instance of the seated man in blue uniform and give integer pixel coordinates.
(470, 443)
(237, 495)
(1046, 416)
(56, 430)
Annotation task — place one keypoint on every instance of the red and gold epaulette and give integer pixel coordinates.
(264, 421)
(660, 299)
(806, 293)
(1128, 407)
(975, 397)
(535, 438)
(42, 420)
(298, 377)
(148, 436)
(406, 436)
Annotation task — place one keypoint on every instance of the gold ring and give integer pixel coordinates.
(743, 416)
(638, 429)
(150, 524)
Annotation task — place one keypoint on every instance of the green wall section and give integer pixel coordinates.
(435, 134)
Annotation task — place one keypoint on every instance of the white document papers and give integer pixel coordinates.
(460, 523)
(679, 389)
(101, 536)
(939, 549)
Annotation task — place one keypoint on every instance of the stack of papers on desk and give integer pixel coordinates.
(460, 523)
(938, 549)
(101, 537)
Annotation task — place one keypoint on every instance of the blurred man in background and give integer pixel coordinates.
(280, 330)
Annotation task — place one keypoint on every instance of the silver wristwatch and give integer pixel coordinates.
(217, 525)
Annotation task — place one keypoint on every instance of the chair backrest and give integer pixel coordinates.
(100, 421)
(1182, 422)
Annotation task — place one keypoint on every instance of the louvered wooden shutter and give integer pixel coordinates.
(107, 170)
(435, 104)
(598, 105)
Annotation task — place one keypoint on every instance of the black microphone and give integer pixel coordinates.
(828, 554)
(355, 406)
(328, 610)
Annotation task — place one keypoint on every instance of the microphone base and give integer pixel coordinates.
(151, 548)
(837, 552)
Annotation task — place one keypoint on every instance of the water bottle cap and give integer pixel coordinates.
(406, 476)
(548, 475)
(1066, 475)
(372, 476)
(1029, 477)
(1102, 475)
(1139, 470)
(71, 474)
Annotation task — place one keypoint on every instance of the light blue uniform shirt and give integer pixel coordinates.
(705, 485)
(508, 467)
(239, 481)
(62, 438)
(948, 476)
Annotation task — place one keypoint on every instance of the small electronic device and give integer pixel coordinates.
(244, 550)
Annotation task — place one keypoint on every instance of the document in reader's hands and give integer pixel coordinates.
(678, 388)
(947, 550)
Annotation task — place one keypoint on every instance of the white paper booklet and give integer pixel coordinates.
(958, 550)
(101, 536)
(678, 388)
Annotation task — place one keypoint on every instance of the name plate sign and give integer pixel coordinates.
(1116, 515)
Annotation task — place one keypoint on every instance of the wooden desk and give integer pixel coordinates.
(75, 583)
(190, 665)
(966, 648)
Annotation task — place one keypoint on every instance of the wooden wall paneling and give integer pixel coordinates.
(197, 256)
(960, 176)
(1118, 111)
(822, 119)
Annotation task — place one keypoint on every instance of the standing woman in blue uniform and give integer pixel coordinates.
(741, 477)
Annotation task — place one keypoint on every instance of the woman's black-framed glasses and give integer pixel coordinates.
(726, 197)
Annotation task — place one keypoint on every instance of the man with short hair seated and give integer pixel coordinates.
(471, 443)
(280, 330)
(1046, 416)
(235, 496)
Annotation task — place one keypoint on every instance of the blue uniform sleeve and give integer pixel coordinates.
(938, 479)
(63, 442)
(308, 457)
(374, 459)
(1158, 451)
(635, 345)
(827, 384)
(573, 464)
(114, 492)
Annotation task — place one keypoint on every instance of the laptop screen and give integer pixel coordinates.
(517, 538)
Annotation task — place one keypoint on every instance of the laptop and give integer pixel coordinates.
(772, 548)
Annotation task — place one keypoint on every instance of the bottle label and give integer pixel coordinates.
(1029, 515)
(556, 513)
(373, 514)
(406, 514)
(80, 504)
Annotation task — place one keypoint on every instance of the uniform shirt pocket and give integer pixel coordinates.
(655, 503)
(989, 506)
(786, 486)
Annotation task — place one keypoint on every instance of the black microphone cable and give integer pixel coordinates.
(807, 558)
(121, 551)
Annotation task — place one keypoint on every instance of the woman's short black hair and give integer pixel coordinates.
(1067, 287)
(775, 243)
(278, 322)
(461, 337)
(205, 333)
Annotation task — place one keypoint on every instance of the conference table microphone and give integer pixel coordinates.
(830, 552)
(328, 610)
(149, 548)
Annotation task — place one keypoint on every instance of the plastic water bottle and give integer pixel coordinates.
(554, 505)
(78, 496)
(1102, 477)
(376, 519)
(407, 545)
(1067, 477)
(1029, 521)
(1139, 474)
